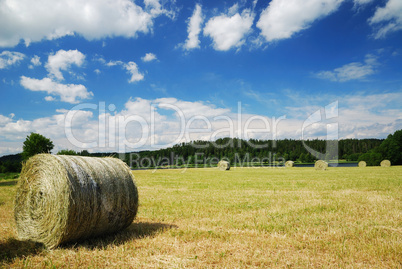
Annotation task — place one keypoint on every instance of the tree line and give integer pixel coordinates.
(235, 150)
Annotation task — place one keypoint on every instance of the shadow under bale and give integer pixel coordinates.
(8, 183)
(136, 230)
(13, 248)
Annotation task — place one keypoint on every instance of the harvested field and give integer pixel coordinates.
(250, 217)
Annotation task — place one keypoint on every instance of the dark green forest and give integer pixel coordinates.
(243, 152)
(238, 151)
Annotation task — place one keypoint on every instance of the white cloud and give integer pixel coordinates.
(132, 68)
(229, 31)
(35, 61)
(113, 63)
(155, 8)
(370, 115)
(388, 19)
(233, 9)
(191, 109)
(15, 131)
(374, 101)
(97, 71)
(92, 19)
(4, 119)
(361, 115)
(194, 29)
(351, 71)
(100, 59)
(9, 58)
(149, 57)
(283, 18)
(63, 60)
(168, 121)
(86, 127)
(50, 98)
(362, 2)
(70, 93)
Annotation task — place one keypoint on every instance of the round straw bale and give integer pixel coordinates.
(385, 163)
(362, 164)
(320, 165)
(224, 165)
(67, 198)
(289, 164)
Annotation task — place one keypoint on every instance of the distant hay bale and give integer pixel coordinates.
(289, 164)
(320, 165)
(385, 163)
(224, 165)
(67, 198)
(362, 164)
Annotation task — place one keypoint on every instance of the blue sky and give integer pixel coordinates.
(173, 71)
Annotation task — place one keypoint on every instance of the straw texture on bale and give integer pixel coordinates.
(67, 198)
(289, 164)
(224, 165)
(320, 165)
(385, 163)
(362, 164)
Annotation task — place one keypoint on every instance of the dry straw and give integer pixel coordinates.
(67, 198)
(289, 164)
(320, 165)
(224, 165)
(385, 163)
(362, 164)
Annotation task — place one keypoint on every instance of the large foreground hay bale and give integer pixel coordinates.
(289, 164)
(66, 198)
(362, 164)
(385, 163)
(224, 165)
(320, 165)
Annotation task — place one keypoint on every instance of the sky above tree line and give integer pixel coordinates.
(147, 74)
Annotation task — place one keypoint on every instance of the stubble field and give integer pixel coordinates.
(245, 217)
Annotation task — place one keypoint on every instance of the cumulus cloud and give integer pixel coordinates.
(50, 98)
(4, 119)
(228, 31)
(163, 122)
(122, 128)
(351, 71)
(35, 61)
(60, 61)
(9, 58)
(283, 18)
(70, 93)
(92, 19)
(155, 8)
(15, 131)
(361, 115)
(149, 57)
(370, 115)
(387, 19)
(114, 63)
(63, 60)
(194, 29)
(132, 68)
(191, 109)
